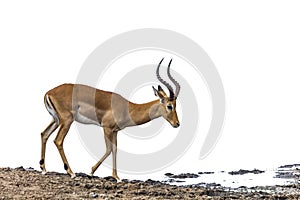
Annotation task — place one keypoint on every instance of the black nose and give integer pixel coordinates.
(177, 125)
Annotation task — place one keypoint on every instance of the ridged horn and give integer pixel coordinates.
(173, 80)
(171, 91)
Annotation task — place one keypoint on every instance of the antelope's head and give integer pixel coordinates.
(168, 103)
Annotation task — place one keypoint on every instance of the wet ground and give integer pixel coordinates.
(283, 175)
(28, 183)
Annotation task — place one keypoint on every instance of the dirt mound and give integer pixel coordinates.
(23, 183)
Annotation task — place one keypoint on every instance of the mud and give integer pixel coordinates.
(28, 183)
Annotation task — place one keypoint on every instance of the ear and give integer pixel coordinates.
(160, 88)
(159, 94)
(155, 91)
(162, 93)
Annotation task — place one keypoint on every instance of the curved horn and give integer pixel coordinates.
(164, 82)
(173, 80)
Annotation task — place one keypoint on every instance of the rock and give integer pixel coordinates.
(169, 175)
(30, 169)
(206, 173)
(21, 168)
(82, 175)
(152, 182)
(125, 181)
(110, 178)
(289, 166)
(93, 195)
(184, 175)
(171, 180)
(242, 172)
(88, 186)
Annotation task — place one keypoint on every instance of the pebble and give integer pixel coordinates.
(94, 195)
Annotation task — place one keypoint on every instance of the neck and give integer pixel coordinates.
(143, 113)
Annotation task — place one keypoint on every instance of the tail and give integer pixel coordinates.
(51, 109)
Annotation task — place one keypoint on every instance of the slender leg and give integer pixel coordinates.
(44, 136)
(114, 151)
(65, 126)
(108, 142)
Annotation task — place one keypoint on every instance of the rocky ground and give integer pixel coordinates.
(23, 183)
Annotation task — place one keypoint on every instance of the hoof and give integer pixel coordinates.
(44, 172)
(119, 180)
(73, 176)
(90, 176)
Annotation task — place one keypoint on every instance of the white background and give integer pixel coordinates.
(255, 46)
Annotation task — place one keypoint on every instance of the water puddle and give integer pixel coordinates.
(281, 176)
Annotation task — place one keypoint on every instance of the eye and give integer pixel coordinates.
(170, 107)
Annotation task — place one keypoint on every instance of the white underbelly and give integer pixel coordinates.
(85, 120)
(79, 117)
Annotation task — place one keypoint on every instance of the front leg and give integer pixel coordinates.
(108, 143)
(114, 151)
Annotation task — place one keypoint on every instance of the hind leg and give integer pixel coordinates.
(44, 136)
(59, 140)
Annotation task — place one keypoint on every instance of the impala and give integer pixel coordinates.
(73, 102)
